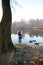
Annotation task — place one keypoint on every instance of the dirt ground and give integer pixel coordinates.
(25, 55)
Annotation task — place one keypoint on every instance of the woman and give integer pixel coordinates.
(20, 34)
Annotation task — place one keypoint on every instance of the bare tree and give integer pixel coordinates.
(5, 27)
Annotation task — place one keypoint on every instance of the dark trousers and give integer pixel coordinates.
(20, 39)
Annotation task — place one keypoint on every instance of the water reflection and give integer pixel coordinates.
(29, 34)
(26, 39)
(31, 31)
(36, 32)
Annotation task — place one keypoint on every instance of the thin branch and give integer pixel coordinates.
(17, 3)
(14, 2)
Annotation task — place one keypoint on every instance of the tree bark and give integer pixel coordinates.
(5, 27)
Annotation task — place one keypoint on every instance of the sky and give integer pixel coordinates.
(28, 9)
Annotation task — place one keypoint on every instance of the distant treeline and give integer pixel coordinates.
(32, 24)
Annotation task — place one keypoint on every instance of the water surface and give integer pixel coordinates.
(26, 38)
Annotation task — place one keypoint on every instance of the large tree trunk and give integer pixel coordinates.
(5, 27)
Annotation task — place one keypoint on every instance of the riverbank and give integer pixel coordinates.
(25, 55)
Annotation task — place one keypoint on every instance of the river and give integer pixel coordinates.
(27, 38)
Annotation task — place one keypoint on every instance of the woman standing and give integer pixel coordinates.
(20, 35)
